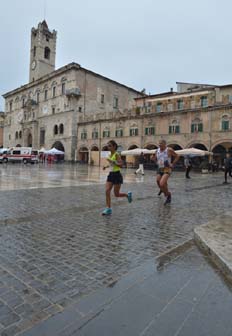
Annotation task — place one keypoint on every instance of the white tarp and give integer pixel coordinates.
(105, 154)
(192, 152)
(182, 152)
(54, 151)
(136, 151)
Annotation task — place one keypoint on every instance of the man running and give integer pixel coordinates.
(164, 156)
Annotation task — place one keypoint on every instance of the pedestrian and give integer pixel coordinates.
(188, 166)
(141, 163)
(228, 166)
(163, 156)
(114, 179)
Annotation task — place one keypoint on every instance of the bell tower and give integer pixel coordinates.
(43, 51)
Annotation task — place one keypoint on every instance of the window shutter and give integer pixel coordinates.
(200, 127)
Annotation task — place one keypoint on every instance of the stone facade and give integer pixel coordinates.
(2, 117)
(195, 116)
(46, 111)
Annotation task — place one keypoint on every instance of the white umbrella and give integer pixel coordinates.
(54, 151)
(192, 152)
(136, 151)
(42, 150)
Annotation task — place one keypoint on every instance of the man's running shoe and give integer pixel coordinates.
(160, 192)
(106, 212)
(168, 199)
(129, 196)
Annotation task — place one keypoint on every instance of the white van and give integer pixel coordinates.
(22, 154)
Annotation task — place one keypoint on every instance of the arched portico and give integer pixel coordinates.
(83, 154)
(94, 155)
(29, 140)
(58, 145)
(198, 146)
(133, 147)
(105, 148)
(219, 152)
(150, 146)
(175, 146)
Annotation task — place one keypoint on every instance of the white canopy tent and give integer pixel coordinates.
(42, 150)
(53, 151)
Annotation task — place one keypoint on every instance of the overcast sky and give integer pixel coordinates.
(143, 44)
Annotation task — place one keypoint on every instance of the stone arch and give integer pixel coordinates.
(47, 53)
(29, 140)
(219, 151)
(199, 145)
(105, 148)
(150, 146)
(94, 148)
(55, 130)
(133, 147)
(61, 128)
(58, 145)
(175, 146)
(94, 155)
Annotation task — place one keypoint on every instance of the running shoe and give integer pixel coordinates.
(106, 212)
(168, 199)
(160, 192)
(129, 196)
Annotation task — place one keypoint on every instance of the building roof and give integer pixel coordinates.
(61, 70)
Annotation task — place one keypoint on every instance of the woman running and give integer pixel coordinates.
(114, 178)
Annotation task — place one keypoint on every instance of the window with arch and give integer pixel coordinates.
(47, 53)
(204, 101)
(95, 134)
(134, 131)
(174, 128)
(61, 128)
(180, 104)
(225, 123)
(53, 92)
(150, 130)
(119, 132)
(196, 126)
(20, 134)
(37, 97)
(159, 107)
(55, 131)
(84, 134)
(106, 133)
(16, 135)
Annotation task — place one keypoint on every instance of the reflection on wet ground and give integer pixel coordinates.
(56, 247)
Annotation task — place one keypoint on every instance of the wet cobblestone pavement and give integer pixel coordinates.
(56, 247)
